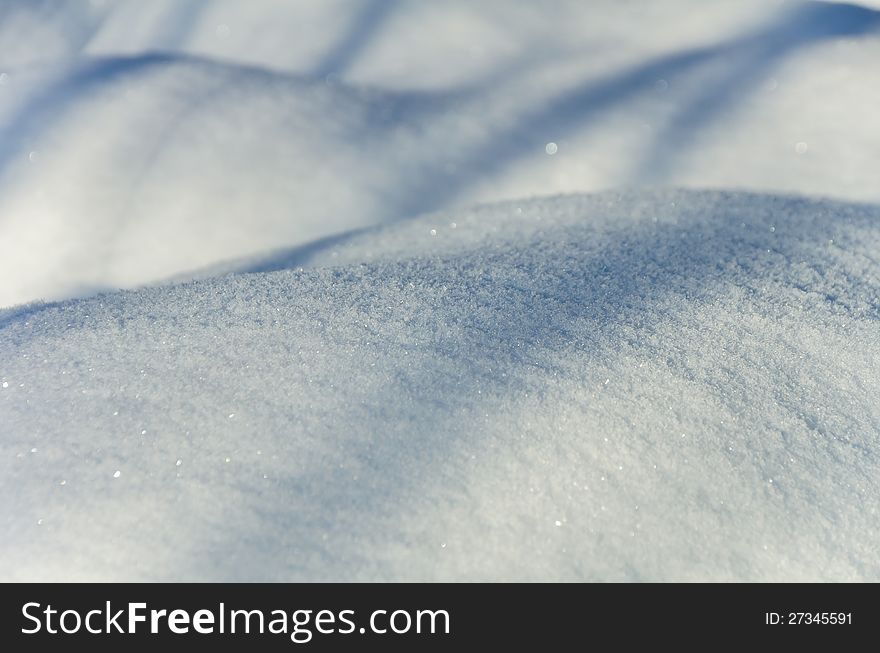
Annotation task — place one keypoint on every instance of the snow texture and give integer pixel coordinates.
(668, 385)
(302, 323)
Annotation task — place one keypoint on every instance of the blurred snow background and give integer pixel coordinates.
(139, 141)
(637, 384)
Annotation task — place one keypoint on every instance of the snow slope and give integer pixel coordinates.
(641, 385)
(144, 140)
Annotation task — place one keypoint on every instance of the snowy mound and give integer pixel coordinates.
(666, 385)
(140, 141)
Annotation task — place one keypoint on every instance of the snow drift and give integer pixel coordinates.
(641, 386)
(141, 141)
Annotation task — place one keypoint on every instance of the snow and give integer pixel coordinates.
(667, 385)
(138, 146)
(338, 290)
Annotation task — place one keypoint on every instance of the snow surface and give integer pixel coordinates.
(143, 140)
(303, 324)
(667, 385)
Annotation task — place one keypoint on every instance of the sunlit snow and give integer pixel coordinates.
(403, 290)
